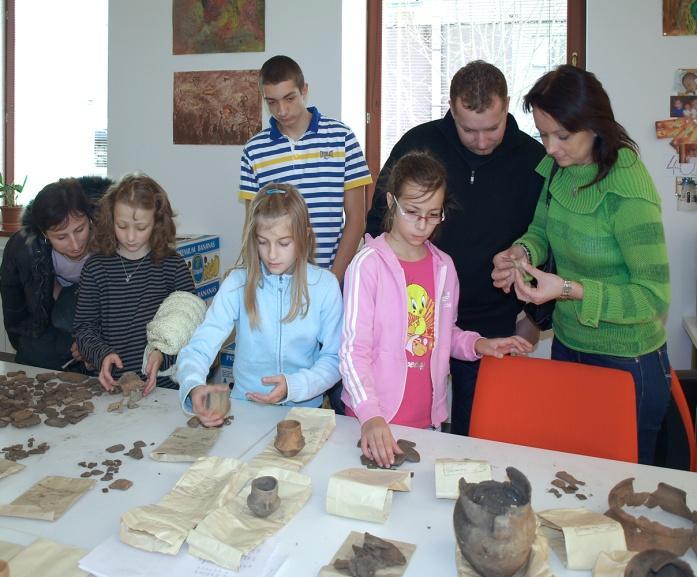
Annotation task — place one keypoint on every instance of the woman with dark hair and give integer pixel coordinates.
(41, 267)
(600, 215)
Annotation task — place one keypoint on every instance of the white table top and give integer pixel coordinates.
(313, 536)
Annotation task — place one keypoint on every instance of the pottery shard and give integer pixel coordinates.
(135, 452)
(657, 563)
(107, 477)
(495, 525)
(21, 415)
(564, 486)
(570, 479)
(129, 382)
(642, 533)
(115, 448)
(114, 407)
(30, 422)
(140, 444)
(86, 474)
(44, 377)
(121, 484)
(72, 377)
(410, 454)
(193, 422)
(375, 554)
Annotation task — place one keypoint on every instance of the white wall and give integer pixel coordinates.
(202, 181)
(636, 64)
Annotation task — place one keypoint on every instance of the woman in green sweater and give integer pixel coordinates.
(603, 224)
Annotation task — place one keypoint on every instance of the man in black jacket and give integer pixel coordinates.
(492, 193)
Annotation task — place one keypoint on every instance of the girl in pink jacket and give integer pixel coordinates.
(400, 308)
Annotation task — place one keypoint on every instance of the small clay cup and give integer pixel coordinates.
(289, 438)
(219, 401)
(263, 498)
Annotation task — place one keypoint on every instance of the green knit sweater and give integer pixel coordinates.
(608, 237)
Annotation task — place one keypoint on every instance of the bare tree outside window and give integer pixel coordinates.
(426, 41)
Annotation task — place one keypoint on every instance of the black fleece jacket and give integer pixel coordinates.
(491, 202)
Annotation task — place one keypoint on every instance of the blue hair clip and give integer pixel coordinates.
(275, 191)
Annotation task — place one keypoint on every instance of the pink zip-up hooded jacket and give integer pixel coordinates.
(372, 356)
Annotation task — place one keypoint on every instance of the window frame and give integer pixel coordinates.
(575, 54)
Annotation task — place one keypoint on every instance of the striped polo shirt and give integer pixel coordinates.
(326, 161)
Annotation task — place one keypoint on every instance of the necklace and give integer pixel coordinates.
(129, 276)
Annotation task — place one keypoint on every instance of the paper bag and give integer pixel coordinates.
(229, 532)
(538, 564)
(164, 526)
(47, 559)
(48, 499)
(9, 550)
(317, 425)
(8, 467)
(365, 494)
(450, 471)
(346, 552)
(577, 536)
(186, 444)
(612, 563)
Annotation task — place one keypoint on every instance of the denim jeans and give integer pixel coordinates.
(651, 373)
(464, 377)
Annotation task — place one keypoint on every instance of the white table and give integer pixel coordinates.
(313, 536)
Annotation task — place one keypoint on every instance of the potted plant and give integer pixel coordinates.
(11, 211)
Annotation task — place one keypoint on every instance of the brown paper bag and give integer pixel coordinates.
(163, 527)
(8, 467)
(48, 499)
(186, 444)
(47, 559)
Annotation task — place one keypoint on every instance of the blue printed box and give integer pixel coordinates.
(202, 256)
(207, 291)
(227, 359)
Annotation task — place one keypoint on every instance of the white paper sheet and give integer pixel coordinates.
(115, 559)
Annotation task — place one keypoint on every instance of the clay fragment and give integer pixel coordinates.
(115, 448)
(121, 484)
(86, 474)
(21, 415)
(107, 477)
(408, 454)
(140, 444)
(581, 497)
(59, 422)
(105, 490)
(91, 465)
(113, 407)
(96, 472)
(495, 525)
(193, 422)
(43, 377)
(641, 533)
(375, 554)
(554, 492)
(289, 437)
(34, 419)
(72, 377)
(135, 452)
(564, 486)
(657, 563)
(570, 479)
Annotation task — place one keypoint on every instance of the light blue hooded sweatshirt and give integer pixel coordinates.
(304, 350)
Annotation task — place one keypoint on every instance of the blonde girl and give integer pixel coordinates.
(134, 269)
(286, 312)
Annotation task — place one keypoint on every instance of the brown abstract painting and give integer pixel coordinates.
(679, 17)
(204, 26)
(217, 107)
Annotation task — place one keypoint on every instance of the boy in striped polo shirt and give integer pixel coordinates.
(318, 155)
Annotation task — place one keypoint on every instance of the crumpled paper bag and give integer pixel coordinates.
(48, 499)
(578, 535)
(317, 425)
(612, 563)
(8, 467)
(346, 552)
(186, 444)
(163, 527)
(229, 532)
(9, 550)
(365, 494)
(538, 564)
(450, 471)
(47, 559)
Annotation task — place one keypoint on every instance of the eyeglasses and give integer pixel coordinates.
(414, 217)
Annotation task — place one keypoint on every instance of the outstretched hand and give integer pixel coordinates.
(275, 395)
(503, 346)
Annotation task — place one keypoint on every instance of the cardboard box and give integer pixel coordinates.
(202, 256)
(207, 291)
(227, 359)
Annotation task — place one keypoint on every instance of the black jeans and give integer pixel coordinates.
(464, 377)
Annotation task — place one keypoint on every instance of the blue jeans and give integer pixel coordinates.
(651, 373)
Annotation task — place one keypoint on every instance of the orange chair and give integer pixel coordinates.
(681, 403)
(556, 405)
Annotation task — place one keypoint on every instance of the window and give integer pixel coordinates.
(420, 44)
(56, 122)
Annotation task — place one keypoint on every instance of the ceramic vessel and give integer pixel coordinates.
(263, 498)
(289, 438)
(219, 401)
(11, 218)
(495, 525)
(657, 563)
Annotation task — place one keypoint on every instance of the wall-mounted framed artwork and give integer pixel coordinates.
(216, 107)
(679, 17)
(209, 26)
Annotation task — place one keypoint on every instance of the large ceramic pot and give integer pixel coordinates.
(495, 525)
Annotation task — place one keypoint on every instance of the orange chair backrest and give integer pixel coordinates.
(556, 405)
(686, 417)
